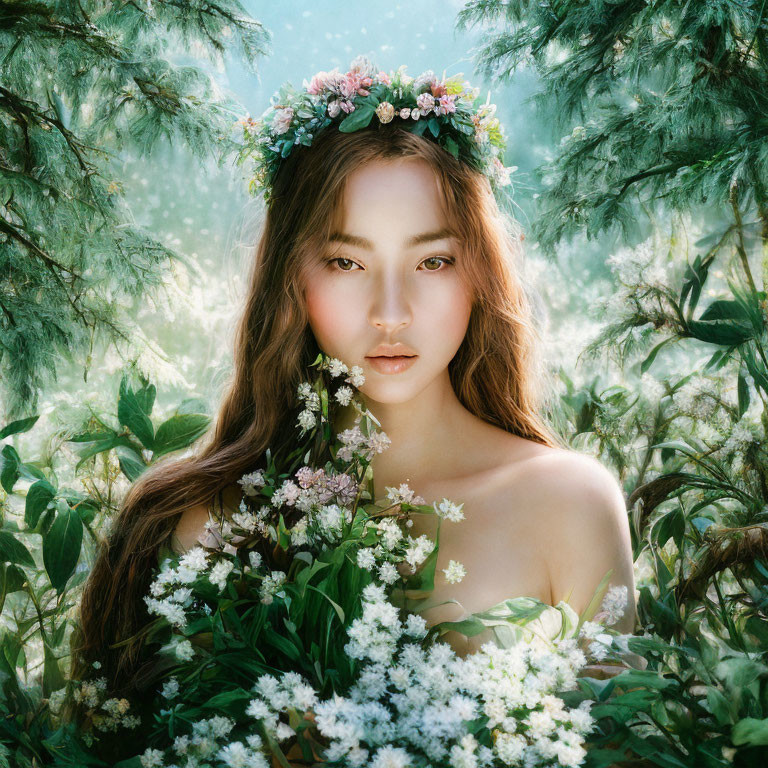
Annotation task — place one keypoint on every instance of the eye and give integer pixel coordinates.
(433, 259)
(341, 258)
(444, 259)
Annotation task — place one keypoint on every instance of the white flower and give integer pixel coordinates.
(388, 573)
(255, 559)
(355, 378)
(170, 688)
(219, 573)
(307, 420)
(336, 367)
(195, 559)
(270, 586)
(304, 390)
(378, 441)
(449, 511)
(417, 551)
(152, 758)
(282, 120)
(590, 630)
(615, 603)
(252, 482)
(184, 650)
(390, 531)
(391, 757)
(365, 558)
(598, 650)
(415, 626)
(455, 572)
(344, 395)
(403, 493)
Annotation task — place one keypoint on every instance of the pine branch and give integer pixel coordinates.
(65, 232)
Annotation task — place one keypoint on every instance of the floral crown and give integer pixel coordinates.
(448, 109)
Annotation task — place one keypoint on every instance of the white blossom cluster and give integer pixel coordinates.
(169, 599)
(411, 704)
(203, 746)
(611, 610)
(311, 399)
(108, 714)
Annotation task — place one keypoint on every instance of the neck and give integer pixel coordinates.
(423, 433)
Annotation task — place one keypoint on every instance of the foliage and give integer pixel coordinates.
(43, 560)
(668, 98)
(660, 102)
(83, 83)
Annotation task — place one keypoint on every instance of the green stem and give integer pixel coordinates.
(727, 618)
(733, 197)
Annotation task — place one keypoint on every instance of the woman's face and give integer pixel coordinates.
(390, 277)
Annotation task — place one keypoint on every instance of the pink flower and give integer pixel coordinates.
(282, 121)
(384, 78)
(318, 83)
(425, 102)
(448, 103)
(438, 89)
(352, 84)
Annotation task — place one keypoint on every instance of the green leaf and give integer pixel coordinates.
(53, 679)
(39, 496)
(20, 425)
(10, 463)
(61, 545)
(719, 705)
(131, 464)
(646, 364)
(89, 437)
(359, 118)
(13, 551)
(336, 607)
(146, 397)
(179, 431)
(720, 332)
(221, 700)
(100, 446)
(724, 309)
(131, 414)
(750, 731)
(434, 125)
(12, 579)
(742, 389)
(451, 146)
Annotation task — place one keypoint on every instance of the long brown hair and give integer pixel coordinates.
(494, 372)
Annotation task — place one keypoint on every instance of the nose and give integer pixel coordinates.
(390, 309)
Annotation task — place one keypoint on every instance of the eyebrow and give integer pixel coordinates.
(361, 242)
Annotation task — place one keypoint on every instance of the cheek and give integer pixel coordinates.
(333, 315)
(444, 311)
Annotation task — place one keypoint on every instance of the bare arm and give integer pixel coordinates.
(587, 533)
(190, 527)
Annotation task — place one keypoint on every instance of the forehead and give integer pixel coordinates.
(396, 201)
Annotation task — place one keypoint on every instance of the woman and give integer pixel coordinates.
(379, 242)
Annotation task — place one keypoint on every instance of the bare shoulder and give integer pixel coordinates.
(577, 517)
(554, 476)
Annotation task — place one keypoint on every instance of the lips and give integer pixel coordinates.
(391, 364)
